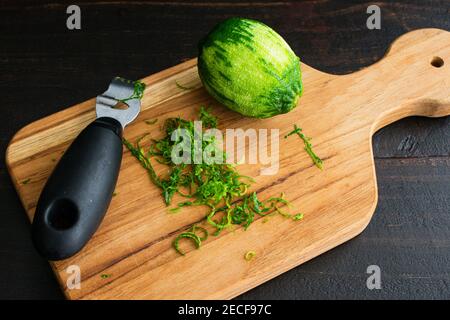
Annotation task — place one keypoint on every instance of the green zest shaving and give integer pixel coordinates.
(203, 230)
(308, 146)
(218, 186)
(138, 92)
(249, 255)
(188, 235)
(208, 119)
(192, 235)
(151, 121)
(271, 206)
(26, 181)
(183, 87)
(105, 276)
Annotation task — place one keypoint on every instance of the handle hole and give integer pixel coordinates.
(63, 214)
(437, 62)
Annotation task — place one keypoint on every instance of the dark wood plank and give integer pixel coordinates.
(45, 68)
(416, 137)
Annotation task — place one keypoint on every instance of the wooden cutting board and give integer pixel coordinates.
(341, 113)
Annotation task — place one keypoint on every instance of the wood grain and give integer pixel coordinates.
(340, 112)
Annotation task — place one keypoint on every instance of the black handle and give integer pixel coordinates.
(77, 194)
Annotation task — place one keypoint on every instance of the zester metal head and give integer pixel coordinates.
(119, 90)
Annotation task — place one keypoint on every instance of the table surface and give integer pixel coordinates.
(44, 68)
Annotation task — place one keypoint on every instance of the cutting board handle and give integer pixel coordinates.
(412, 79)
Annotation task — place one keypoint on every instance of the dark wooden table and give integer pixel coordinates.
(44, 68)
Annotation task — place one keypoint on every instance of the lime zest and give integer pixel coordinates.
(249, 255)
(308, 146)
(218, 186)
(182, 86)
(151, 121)
(138, 91)
(186, 235)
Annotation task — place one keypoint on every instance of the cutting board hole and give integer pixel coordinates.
(437, 62)
(62, 215)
